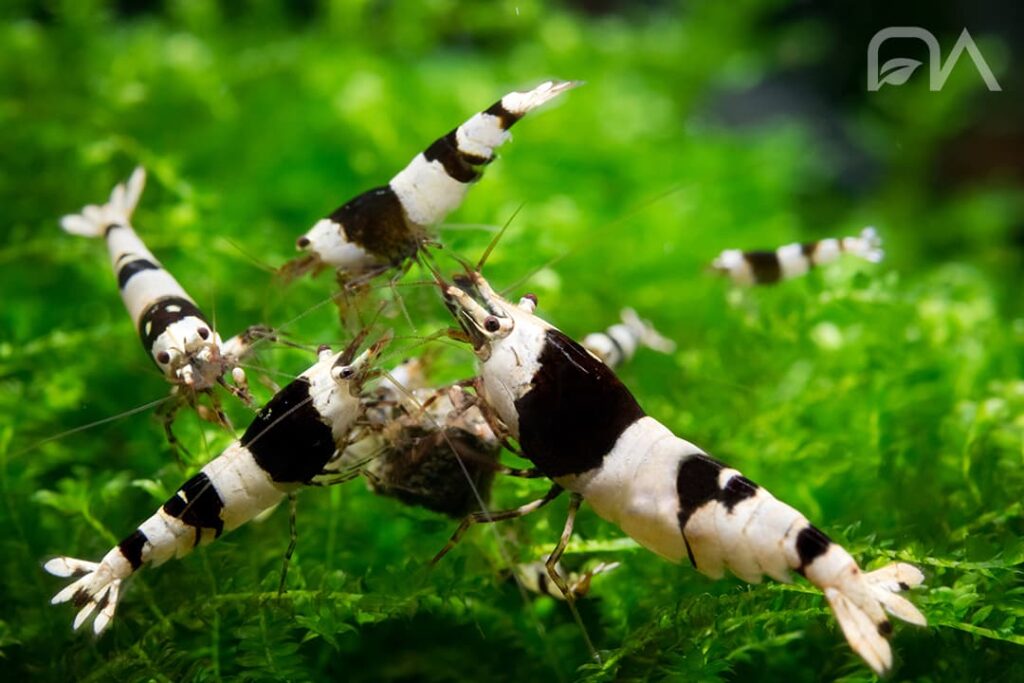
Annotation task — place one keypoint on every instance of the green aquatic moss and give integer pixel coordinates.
(885, 402)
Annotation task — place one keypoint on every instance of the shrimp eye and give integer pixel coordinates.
(204, 332)
(302, 242)
(492, 324)
(163, 358)
(531, 296)
(344, 372)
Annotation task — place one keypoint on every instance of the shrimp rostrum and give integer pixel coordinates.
(583, 429)
(288, 445)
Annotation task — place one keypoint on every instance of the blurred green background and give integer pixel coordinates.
(885, 402)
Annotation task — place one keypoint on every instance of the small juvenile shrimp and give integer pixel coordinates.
(794, 260)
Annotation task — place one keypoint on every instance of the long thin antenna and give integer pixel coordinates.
(599, 231)
(497, 238)
(81, 428)
(213, 307)
(427, 261)
(250, 257)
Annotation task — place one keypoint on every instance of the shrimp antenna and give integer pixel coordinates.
(427, 261)
(212, 291)
(249, 256)
(497, 238)
(595, 233)
(96, 423)
(349, 353)
(466, 265)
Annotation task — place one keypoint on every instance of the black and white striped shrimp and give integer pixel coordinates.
(794, 260)
(618, 343)
(438, 452)
(582, 428)
(534, 577)
(175, 333)
(383, 227)
(288, 445)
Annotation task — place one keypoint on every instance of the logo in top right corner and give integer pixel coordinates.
(898, 70)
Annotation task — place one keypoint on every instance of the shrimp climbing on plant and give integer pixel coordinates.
(584, 430)
(289, 444)
(174, 332)
(386, 226)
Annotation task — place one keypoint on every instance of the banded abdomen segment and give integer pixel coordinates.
(170, 325)
(617, 344)
(728, 521)
(794, 260)
(682, 504)
(385, 225)
(285, 446)
(173, 330)
(141, 279)
(226, 493)
(436, 180)
(290, 439)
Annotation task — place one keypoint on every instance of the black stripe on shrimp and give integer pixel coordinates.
(457, 164)
(198, 504)
(162, 314)
(131, 548)
(764, 265)
(576, 410)
(507, 118)
(697, 485)
(289, 439)
(131, 268)
(376, 221)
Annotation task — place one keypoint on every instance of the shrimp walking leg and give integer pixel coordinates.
(293, 539)
(489, 517)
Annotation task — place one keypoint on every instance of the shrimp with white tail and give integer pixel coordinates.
(534, 577)
(794, 260)
(288, 445)
(584, 430)
(384, 227)
(174, 332)
(618, 343)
